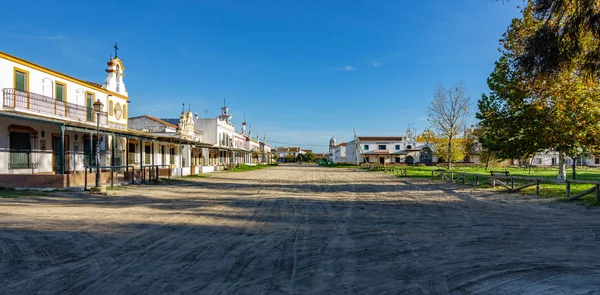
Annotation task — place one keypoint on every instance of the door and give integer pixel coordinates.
(381, 161)
(57, 154)
(193, 162)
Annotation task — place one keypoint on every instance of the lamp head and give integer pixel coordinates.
(98, 105)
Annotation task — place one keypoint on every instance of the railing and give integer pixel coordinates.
(112, 173)
(33, 102)
(21, 159)
(154, 172)
(516, 183)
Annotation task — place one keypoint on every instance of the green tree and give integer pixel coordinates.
(555, 42)
(309, 156)
(447, 115)
(529, 111)
(290, 158)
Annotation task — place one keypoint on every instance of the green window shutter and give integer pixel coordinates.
(60, 91)
(21, 81)
(89, 108)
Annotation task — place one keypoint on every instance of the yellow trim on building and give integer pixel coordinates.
(26, 72)
(61, 75)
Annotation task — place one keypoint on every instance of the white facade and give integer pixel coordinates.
(337, 154)
(42, 84)
(388, 150)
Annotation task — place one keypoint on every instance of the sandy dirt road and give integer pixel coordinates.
(297, 230)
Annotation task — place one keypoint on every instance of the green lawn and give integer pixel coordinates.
(242, 168)
(12, 193)
(548, 190)
(549, 173)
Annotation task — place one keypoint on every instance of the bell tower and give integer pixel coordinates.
(114, 80)
(332, 142)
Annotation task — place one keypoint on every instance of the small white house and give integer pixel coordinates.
(337, 152)
(384, 150)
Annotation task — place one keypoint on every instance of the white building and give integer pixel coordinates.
(48, 123)
(283, 152)
(384, 150)
(337, 152)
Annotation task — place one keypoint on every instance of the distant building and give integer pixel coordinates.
(283, 152)
(384, 150)
(337, 152)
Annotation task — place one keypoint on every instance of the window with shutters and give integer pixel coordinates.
(59, 91)
(21, 80)
(20, 150)
(89, 106)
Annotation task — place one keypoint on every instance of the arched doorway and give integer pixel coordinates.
(409, 160)
(426, 156)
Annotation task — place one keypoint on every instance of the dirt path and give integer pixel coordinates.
(298, 230)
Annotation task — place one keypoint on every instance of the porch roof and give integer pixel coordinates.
(81, 127)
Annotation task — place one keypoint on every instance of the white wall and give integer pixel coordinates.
(40, 82)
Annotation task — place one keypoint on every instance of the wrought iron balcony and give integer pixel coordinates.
(30, 102)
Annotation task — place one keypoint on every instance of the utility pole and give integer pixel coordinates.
(355, 146)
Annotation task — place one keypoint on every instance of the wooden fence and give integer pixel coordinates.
(395, 170)
(503, 179)
(516, 183)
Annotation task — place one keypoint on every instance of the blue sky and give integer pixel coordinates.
(300, 71)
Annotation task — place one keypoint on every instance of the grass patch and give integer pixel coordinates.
(243, 168)
(114, 188)
(197, 176)
(11, 193)
(547, 190)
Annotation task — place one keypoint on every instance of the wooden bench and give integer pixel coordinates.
(494, 173)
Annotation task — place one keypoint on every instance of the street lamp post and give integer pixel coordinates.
(98, 108)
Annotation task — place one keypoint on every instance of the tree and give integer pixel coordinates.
(532, 110)
(556, 42)
(456, 153)
(275, 157)
(448, 114)
(309, 156)
(290, 158)
(426, 136)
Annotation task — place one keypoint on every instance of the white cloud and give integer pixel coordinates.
(346, 68)
(376, 64)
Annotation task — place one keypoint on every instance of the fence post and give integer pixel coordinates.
(85, 179)
(597, 193)
(537, 187)
(112, 176)
(493, 183)
(157, 173)
(512, 182)
(476, 180)
(568, 189)
(463, 178)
